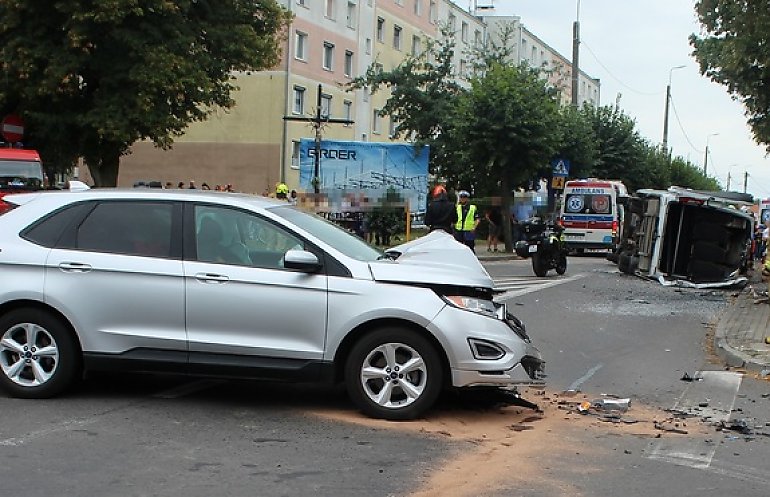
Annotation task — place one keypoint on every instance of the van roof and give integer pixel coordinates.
(19, 154)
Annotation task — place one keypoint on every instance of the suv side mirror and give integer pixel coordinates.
(301, 260)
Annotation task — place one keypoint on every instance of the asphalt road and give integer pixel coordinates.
(600, 331)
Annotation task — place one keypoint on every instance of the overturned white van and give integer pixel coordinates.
(686, 237)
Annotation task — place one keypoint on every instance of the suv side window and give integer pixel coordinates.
(47, 230)
(231, 236)
(130, 228)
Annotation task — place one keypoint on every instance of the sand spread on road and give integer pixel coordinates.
(515, 447)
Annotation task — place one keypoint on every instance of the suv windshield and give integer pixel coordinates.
(20, 175)
(329, 233)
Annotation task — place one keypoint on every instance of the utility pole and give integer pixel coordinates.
(665, 113)
(576, 56)
(318, 122)
(728, 181)
(706, 155)
(745, 180)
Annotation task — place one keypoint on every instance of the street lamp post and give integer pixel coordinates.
(665, 114)
(706, 155)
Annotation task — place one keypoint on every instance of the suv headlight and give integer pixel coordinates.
(474, 304)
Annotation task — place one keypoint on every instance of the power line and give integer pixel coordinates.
(676, 114)
(615, 77)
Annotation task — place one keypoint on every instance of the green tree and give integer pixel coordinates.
(92, 78)
(422, 92)
(579, 144)
(685, 173)
(733, 51)
(509, 124)
(621, 149)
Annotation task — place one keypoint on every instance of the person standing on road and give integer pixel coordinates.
(441, 213)
(494, 220)
(467, 221)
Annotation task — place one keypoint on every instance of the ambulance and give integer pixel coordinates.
(592, 212)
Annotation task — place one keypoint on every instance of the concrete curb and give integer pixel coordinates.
(739, 320)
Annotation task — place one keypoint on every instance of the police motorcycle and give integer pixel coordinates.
(545, 244)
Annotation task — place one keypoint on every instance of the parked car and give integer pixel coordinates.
(201, 283)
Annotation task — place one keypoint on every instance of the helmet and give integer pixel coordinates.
(463, 193)
(439, 191)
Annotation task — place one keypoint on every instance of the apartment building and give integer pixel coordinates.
(329, 43)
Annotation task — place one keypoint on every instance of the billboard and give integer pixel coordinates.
(372, 168)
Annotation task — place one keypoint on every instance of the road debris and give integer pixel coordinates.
(687, 377)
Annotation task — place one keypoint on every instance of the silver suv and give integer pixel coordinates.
(233, 285)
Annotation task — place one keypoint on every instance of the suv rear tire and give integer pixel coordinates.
(38, 355)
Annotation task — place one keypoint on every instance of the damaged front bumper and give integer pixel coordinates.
(529, 372)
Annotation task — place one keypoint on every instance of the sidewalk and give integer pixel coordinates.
(740, 335)
(483, 255)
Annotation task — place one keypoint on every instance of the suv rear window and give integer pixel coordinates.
(581, 203)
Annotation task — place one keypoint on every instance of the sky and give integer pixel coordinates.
(631, 46)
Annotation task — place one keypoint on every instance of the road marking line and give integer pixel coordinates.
(63, 426)
(187, 389)
(721, 390)
(540, 285)
(577, 383)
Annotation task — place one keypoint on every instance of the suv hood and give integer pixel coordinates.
(436, 258)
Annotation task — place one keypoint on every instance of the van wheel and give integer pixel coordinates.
(393, 373)
(38, 355)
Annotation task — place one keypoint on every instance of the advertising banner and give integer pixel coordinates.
(375, 170)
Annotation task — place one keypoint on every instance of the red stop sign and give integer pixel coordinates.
(12, 128)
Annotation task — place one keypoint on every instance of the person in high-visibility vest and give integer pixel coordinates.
(468, 220)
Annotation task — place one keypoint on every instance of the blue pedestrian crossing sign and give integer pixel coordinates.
(560, 168)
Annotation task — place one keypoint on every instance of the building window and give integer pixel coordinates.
(463, 68)
(376, 122)
(452, 21)
(392, 128)
(397, 37)
(299, 100)
(368, 46)
(328, 56)
(348, 63)
(351, 15)
(464, 31)
(300, 45)
(326, 105)
(433, 12)
(302, 3)
(381, 30)
(347, 109)
(416, 46)
(295, 154)
(477, 37)
(418, 7)
(329, 9)
(378, 68)
(365, 91)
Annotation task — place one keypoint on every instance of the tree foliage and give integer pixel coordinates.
(734, 50)
(92, 78)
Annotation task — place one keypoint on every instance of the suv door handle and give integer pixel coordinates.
(211, 278)
(74, 267)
